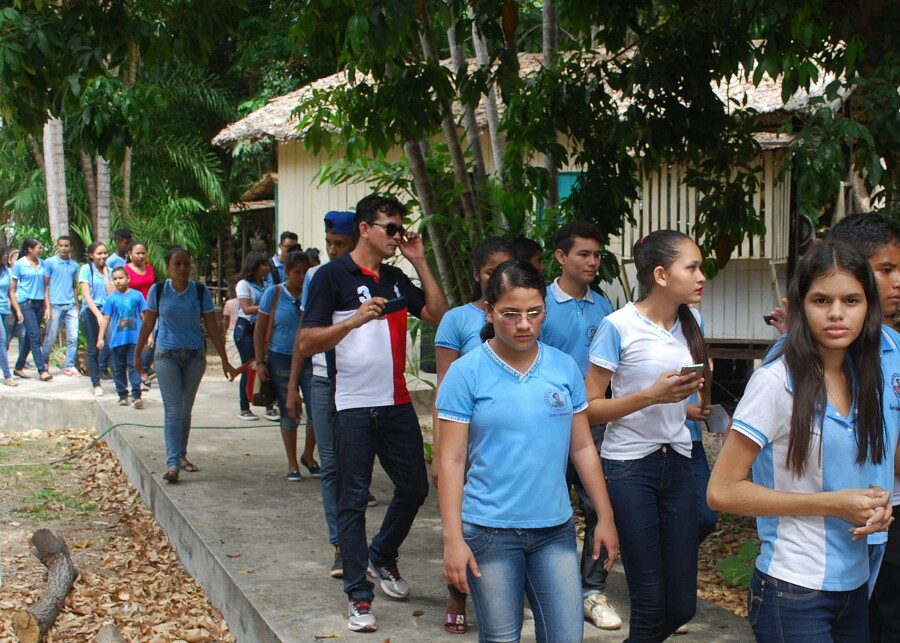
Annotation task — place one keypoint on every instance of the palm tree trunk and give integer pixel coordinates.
(469, 121)
(90, 188)
(103, 199)
(551, 49)
(130, 76)
(35, 151)
(55, 178)
(498, 145)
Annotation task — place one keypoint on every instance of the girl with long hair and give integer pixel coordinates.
(6, 314)
(458, 333)
(251, 283)
(646, 450)
(140, 272)
(810, 427)
(95, 287)
(29, 300)
(179, 304)
(507, 532)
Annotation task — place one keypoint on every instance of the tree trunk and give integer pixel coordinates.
(55, 178)
(103, 199)
(90, 187)
(130, 77)
(428, 203)
(498, 145)
(32, 625)
(470, 123)
(551, 49)
(35, 151)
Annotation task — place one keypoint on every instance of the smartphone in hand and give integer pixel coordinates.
(696, 369)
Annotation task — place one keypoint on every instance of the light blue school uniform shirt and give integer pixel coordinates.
(637, 351)
(30, 284)
(179, 322)
(883, 474)
(63, 278)
(506, 449)
(124, 310)
(5, 278)
(114, 261)
(815, 552)
(460, 329)
(96, 282)
(276, 261)
(286, 321)
(246, 289)
(572, 323)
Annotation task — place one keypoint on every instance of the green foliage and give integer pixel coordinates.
(738, 570)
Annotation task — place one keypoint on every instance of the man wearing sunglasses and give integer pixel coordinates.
(357, 312)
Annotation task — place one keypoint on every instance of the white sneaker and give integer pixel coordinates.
(361, 617)
(598, 610)
(682, 630)
(98, 391)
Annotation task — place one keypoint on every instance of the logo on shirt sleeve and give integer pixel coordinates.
(558, 402)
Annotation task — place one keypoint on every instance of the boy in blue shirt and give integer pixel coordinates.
(125, 307)
(62, 280)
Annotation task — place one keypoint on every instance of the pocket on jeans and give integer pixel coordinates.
(755, 597)
(617, 469)
(477, 537)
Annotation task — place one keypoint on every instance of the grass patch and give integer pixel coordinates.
(47, 504)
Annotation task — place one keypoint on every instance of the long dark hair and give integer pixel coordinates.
(482, 254)
(28, 244)
(804, 363)
(252, 262)
(662, 248)
(510, 274)
(4, 259)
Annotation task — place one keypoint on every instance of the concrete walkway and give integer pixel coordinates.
(256, 542)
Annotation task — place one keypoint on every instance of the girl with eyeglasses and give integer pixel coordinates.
(511, 407)
(646, 450)
(274, 362)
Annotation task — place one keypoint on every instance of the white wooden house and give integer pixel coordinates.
(734, 303)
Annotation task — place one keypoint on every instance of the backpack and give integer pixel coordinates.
(273, 272)
(160, 287)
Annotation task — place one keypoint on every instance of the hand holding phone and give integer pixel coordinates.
(696, 369)
(393, 305)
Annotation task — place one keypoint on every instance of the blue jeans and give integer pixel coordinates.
(58, 314)
(91, 332)
(539, 563)
(392, 433)
(593, 574)
(706, 517)
(280, 372)
(782, 611)
(179, 372)
(305, 384)
(4, 359)
(122, 360)
(654, 502)
(324, 417)
(243, 339)
(32, 313)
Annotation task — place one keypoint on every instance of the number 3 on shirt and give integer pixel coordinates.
(363, 292)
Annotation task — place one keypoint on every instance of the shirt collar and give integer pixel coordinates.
(561, 295)
(509, 369)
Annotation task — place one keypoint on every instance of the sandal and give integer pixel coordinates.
(189, 466)
(171, 475)
(45, 376)
(20, 372)
(454, 623)
(10, 382)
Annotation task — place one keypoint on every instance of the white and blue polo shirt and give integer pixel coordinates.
(520, 426)
(636, 350)
(368, 364)
(460, 329)
(815, 552)
(884, 475)
(571, 323)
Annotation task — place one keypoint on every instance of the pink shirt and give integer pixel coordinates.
(141, 282)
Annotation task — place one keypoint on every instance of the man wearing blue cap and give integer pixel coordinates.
(340, 237)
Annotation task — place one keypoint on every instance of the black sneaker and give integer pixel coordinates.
(337, 567)
(123, 401)
(361, 617)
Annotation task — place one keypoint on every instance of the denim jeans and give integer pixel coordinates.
(654, 501)
(60, 313)
(324, 417)
(782, 611)
(122, 360)
(4, 359)
(280, 372)
(243, 339)
(706, 517)
(593, 575)
(305, 391)
(91, 332)
(392, 433)
(178, 372)
(32, 313)
(14, 329)
(539, 563)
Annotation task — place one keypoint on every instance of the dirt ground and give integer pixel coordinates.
(129, 575)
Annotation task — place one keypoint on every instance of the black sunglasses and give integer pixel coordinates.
(391, 229)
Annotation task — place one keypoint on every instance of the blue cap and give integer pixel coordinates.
(340, 223)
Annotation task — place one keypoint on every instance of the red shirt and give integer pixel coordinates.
(141, 282)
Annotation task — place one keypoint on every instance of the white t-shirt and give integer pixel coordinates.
(636, 350)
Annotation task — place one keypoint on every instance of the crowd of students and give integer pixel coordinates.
(541, 389)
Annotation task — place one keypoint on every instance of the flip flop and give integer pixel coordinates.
(171, 476)
(189, 466)
(21, 373)
(10, 382)
(452, 621)
(46, 377)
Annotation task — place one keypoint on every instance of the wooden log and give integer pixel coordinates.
(32, 625)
